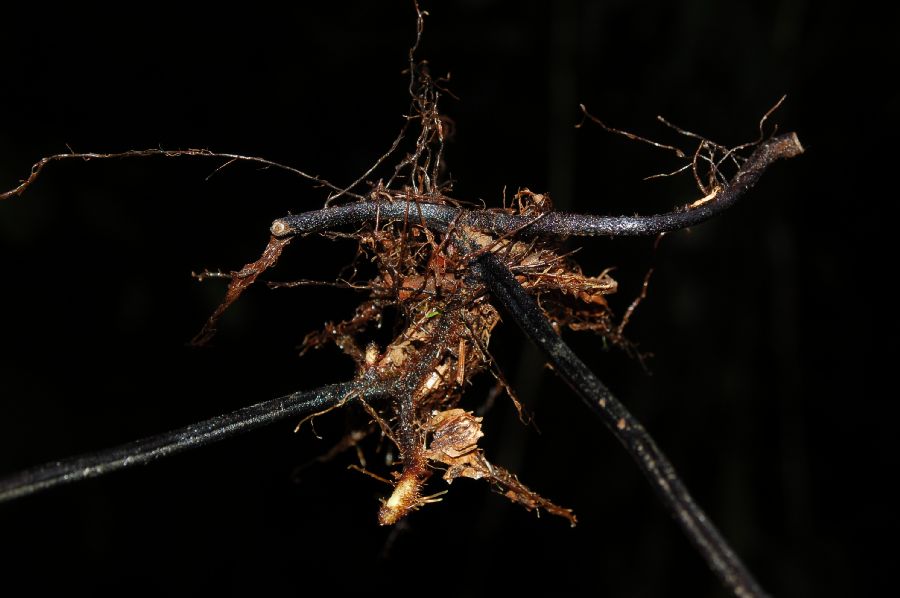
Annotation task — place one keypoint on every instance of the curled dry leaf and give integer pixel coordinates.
(455, 435)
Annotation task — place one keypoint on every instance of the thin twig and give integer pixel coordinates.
(337, 284)
(620, 329)
(204, 153)
(631, 136)
(377, 163)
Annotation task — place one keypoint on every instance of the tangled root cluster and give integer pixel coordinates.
(444, 316)
(442, 344)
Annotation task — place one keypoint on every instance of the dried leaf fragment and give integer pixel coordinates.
(455, 435)
(240, 280)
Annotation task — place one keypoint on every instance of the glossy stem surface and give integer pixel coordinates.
(146, 450)
(522, 308)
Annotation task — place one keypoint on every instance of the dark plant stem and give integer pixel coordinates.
(524, 310)
(440, 216)
(140, 452)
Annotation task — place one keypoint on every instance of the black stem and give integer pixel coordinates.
(440, 216)
(525, 311)
(140, 452)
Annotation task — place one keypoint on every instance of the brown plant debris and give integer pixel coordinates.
(454, 443)
(240, 280)
(446, 321)
(421, 284)
(442, 317)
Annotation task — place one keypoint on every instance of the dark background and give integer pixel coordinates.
(769, 326)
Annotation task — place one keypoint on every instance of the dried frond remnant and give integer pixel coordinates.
(455, 435)
(240, 280)
(343, 334)
(454, 441)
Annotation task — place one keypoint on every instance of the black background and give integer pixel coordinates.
(769, 326)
